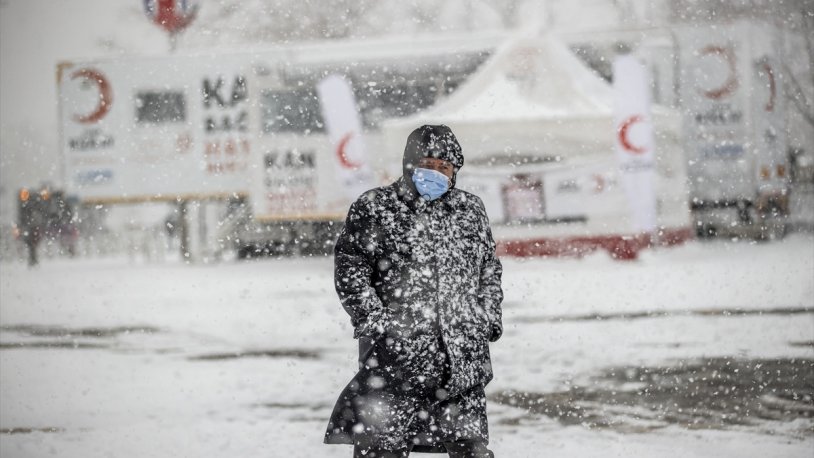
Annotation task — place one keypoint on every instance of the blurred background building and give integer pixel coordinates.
(403, 59)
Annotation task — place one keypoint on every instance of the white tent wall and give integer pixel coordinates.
(576, 143)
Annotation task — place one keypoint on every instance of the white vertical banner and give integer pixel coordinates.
(634, 140)
(344, 128)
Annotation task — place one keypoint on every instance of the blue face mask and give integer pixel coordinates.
(431, 184)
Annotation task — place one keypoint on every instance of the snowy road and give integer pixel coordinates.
(702, 350)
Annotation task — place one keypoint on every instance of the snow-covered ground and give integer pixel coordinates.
(691, 351)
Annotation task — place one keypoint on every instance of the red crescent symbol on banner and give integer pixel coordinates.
(105, 95)
(772, 86)
(340, 153)
(731, 82)
(622, 134)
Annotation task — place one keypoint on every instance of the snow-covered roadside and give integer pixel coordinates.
(696, 276)
(166, 385)
(250, 303)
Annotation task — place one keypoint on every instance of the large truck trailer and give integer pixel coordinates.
(732, 98)
(244, 130)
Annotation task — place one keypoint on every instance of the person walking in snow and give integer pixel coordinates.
(416, 270)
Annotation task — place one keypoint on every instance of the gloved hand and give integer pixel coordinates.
(497, 331)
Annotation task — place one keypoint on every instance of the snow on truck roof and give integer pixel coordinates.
(393, 48)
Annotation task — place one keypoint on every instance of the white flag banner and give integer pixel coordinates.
(344, 129)
(634, 140)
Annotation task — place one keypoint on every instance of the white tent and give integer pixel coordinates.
(535, 110)
(533, 96)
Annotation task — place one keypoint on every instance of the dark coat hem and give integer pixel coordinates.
(344, 439)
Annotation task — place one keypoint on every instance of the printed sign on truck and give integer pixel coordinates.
(734, 140)
(142, 129)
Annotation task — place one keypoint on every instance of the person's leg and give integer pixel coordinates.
(468, 449)
(32, 253)
(360, 451)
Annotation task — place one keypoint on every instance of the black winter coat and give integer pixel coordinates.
(422, 285)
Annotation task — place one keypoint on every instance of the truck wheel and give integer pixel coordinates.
(772, 229)
(706, 231)
(246, 252)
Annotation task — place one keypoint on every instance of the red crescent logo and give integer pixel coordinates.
(772, 86)
(340, 153)
(731, 82)
(105, 95)
(622, 135)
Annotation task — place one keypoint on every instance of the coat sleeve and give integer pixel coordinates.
(353, 272)
(490, 293)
